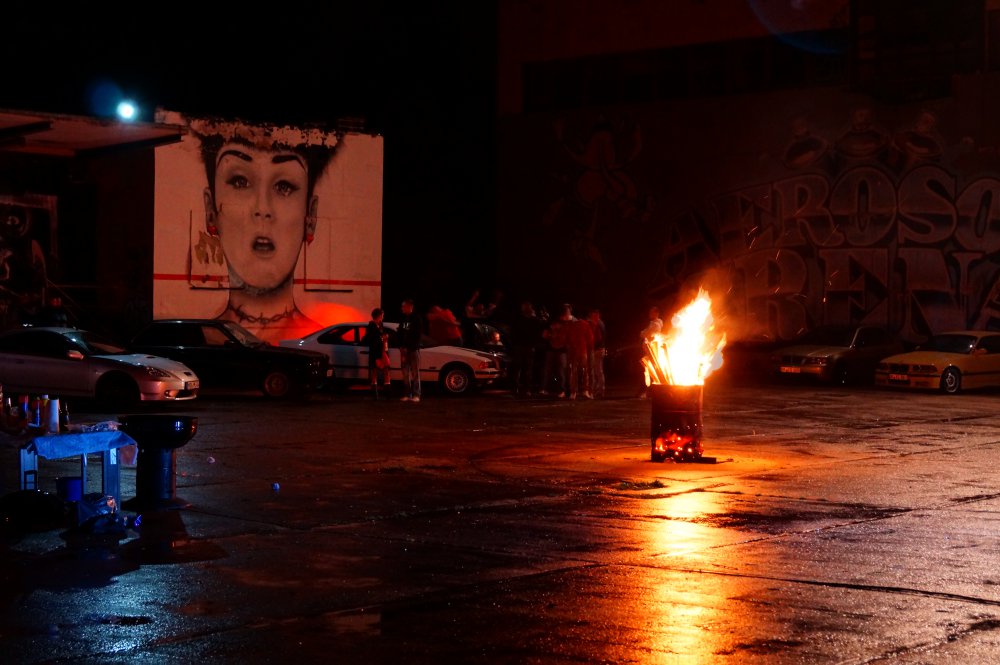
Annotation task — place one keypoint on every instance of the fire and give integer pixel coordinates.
(690, 351)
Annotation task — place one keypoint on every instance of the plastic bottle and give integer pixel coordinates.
(52, 410)
(41, 411)
(63, 416)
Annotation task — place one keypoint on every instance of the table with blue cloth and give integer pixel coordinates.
(71, 444)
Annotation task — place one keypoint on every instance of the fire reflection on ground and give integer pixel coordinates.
(685, 616)
(680, 527)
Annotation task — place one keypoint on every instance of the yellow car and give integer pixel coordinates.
(949, 362)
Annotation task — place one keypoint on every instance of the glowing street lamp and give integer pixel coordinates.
(126, 110)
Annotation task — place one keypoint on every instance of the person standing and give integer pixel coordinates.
(525, 334)
(377, 341)
(652, 329)
(599, 331)
(443, 327)
(409, 334)
(579, 348)
(554, 370)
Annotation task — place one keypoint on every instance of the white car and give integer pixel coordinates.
(67, 362)
(455, 369)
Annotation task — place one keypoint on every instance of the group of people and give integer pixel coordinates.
(409, 332)
(561, 356)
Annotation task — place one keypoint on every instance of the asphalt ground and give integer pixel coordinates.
(838, 525)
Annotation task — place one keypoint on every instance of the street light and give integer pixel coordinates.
(127, 110)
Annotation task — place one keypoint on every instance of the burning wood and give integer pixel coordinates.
(690, 351)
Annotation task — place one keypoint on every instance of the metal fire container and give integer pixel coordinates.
(676, 427)
(158, 437)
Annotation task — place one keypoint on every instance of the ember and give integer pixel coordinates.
(676, 365)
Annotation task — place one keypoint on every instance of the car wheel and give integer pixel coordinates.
(456, 380)
(277, 385)
(951, 381)
(115, 391)
(841, 375)
(657, 457)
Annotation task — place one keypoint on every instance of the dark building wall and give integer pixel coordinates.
(803, 186)
(123, 194)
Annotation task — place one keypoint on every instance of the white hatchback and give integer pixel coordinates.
(455, 369)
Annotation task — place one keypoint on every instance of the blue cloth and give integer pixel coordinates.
(55, 446)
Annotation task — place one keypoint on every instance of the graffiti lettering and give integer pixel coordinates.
(916, 254)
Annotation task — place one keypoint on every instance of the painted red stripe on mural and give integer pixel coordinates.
(225, 278)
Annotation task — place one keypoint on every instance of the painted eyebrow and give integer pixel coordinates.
(277, 159)
(235, 153)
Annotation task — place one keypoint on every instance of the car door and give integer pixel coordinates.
(39, 361)
(986, 363)
(395, 363)
(348, 355)
(225, 361)
(870, 346)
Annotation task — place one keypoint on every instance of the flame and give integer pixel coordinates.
(690, 351)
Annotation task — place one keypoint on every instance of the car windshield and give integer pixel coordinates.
(951, 343)
(95, 344)
(242, 335)
(828, 336)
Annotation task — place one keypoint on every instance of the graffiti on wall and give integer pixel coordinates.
(865, 227)
(267, 226)
(27, 227)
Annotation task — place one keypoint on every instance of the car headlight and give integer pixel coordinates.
(821, 361)
(157, 373)
(925, 369)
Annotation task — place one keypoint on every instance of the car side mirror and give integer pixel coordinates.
(74, 354)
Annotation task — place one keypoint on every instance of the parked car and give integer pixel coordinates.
(455, 369)
(836, 354)
(949, 362)
(67, 362)
(228, 356)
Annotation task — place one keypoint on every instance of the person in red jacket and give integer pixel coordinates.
(597, 359)
(579, 348)
(554, 370)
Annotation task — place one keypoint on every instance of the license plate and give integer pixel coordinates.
(790, 370)
(191, 385)
(899, 377)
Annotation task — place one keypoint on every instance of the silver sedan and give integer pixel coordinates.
(67, 362)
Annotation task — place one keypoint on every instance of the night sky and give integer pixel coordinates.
(422, 75)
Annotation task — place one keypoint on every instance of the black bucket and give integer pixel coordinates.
(675, 425)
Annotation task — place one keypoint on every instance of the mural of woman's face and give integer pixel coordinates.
(260, 212)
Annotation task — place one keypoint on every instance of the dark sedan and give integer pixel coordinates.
(836, 354)
(226, 355)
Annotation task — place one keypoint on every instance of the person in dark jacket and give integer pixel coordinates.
(377, 341)
(526, 336)
(409, 333)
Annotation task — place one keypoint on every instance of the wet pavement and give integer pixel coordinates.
(837, 526)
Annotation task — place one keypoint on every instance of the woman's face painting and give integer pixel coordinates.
(261, 206)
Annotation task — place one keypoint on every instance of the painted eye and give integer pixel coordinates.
(238, 182)
(285, 188)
